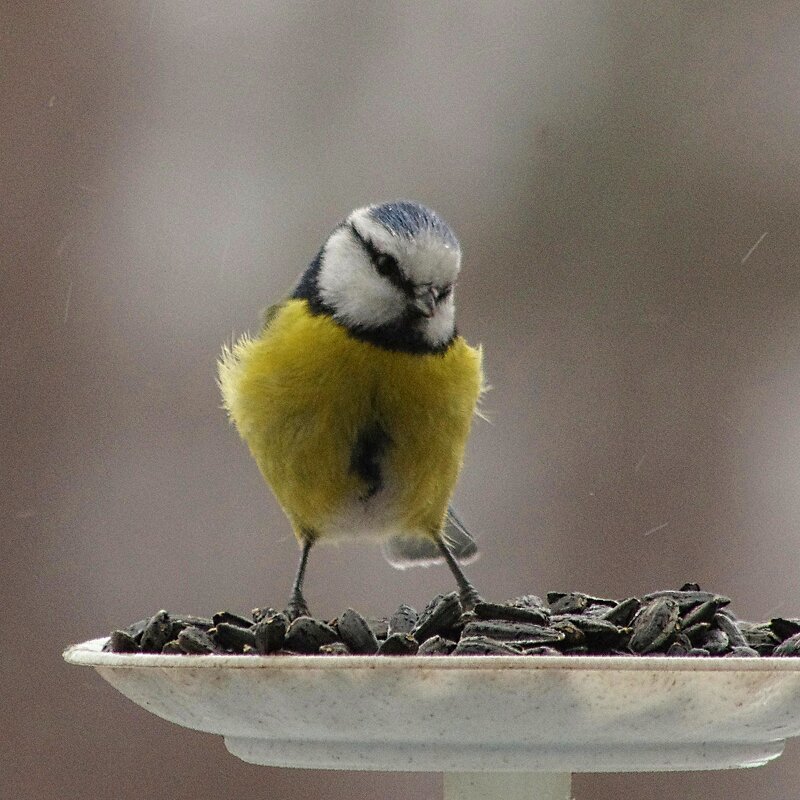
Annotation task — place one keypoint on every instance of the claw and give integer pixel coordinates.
(297, 607)
(469, 598)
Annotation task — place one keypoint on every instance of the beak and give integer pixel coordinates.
(425, 299)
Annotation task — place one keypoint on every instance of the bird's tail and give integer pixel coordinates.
(404, 551)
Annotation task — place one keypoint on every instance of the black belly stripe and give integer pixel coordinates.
(365, 457)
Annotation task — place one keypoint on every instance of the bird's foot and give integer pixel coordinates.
(297, 607)
(469, 597)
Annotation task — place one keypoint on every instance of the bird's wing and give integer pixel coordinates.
(403, 551)
(269, 314)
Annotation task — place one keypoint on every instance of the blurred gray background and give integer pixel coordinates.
(624, 180)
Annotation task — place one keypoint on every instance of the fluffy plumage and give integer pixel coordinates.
(307, 396)
(357, 397)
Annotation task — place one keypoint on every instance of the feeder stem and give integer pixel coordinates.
(507, 786)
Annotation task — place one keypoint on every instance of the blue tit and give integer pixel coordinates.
(357, 397)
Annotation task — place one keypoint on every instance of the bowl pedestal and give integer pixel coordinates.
(507, 785)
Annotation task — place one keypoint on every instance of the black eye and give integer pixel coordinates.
(385, 264)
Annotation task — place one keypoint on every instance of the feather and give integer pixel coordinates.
(405, 550)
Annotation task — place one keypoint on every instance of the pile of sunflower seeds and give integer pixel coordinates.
(682, 622)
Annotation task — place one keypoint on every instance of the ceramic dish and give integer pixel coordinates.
(471, 713)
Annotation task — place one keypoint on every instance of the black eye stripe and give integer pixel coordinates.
(385, 264)
(444, 292)
(372, 251)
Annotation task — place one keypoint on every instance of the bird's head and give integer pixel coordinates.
(388, 272)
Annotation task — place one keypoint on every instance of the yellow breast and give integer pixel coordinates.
(303, 391)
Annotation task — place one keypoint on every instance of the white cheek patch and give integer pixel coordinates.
(349, 284)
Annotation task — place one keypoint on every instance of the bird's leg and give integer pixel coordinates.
(297, 604)
(467, 592)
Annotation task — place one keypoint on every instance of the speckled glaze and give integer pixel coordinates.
(471, 713)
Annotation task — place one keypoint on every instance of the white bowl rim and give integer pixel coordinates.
(90, 654)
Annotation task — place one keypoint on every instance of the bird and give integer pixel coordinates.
(357, 396)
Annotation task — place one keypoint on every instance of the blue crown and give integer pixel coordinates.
(408, 219)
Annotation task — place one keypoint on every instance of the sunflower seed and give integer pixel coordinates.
(503, 631)
(121, 642)
(356, 633)
(439, 616)
(484, 646)
(542, 650)
(580, 650)
(622, 613)
(789, 647)
(573, 635)
(181, 621)
(136, 630)
(437, 646)
(195, 641)
(716, 642)
(567, 602)
(697, 632)
(702, 613)
(157, 632)
(578, 599)
(307, 635)
(686, 622)
(262, 613)
(229, 618)
(731, 629)
(233, 637)
(529, 601)
(759, 636)
(532, 614)
(654, 625)
(598, 632)
(686, 599)
(677, 649)
(402, 621)
(684, 641)
(399, 644)
(742, 652)
(784, 628)
(270, 633)
(334, 649)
